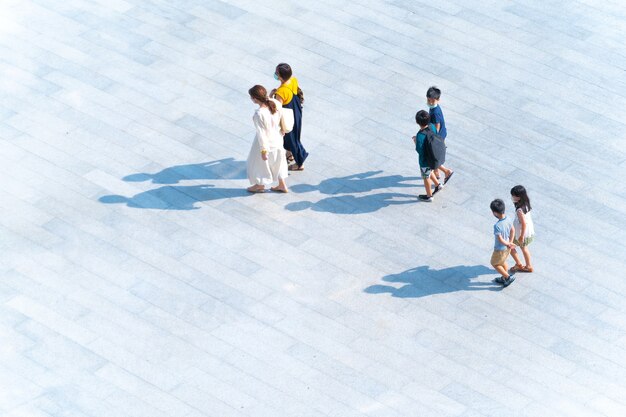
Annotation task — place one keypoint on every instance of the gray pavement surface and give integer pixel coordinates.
(139, 279)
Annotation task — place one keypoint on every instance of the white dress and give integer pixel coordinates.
(529, 233)
(269, 137)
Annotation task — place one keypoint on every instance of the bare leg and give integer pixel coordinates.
(429, 191)
(526, 254)
(502, 270)
(516, 258)
(445, 170)
(436, 172)
(434, 179)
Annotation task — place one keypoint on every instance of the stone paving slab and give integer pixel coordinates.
(140, 279)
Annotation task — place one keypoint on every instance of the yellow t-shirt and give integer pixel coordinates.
(287, 90)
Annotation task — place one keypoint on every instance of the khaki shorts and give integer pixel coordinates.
(498, 257)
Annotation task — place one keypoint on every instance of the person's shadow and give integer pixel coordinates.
(179, 197)
(349, 204)
(356, 183)
(175, 197)
(423, 281)
(226, 168)
(352, 184)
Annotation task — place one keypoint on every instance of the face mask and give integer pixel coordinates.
(431, 106)
(276, 76)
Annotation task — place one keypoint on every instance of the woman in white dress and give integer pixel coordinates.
(267, 162)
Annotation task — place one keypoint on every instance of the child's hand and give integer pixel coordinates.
(414, 139)
(511, 245)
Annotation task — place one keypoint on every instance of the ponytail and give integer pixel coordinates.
(259, 93)
(271, 105)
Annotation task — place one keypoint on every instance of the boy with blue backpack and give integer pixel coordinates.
(432, 153)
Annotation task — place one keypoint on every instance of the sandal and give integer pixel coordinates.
(446, 179)
(295, 167)
(517, 268)
(290, 158)
(526, 269)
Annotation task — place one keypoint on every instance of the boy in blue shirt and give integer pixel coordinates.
(504, 232)
(436, 117)
(423, 120)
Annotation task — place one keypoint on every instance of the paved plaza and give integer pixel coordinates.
(140, 279)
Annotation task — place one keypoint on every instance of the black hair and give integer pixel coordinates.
(524, 201)
(434, 93)
(422, 118)
(284, 71)
(259, 93)
(497, 206)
